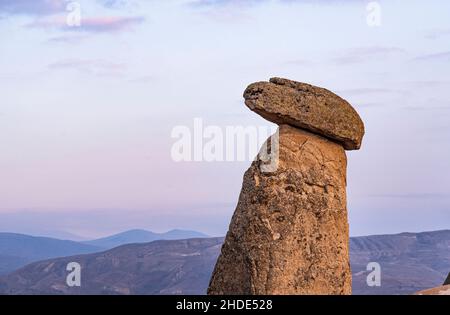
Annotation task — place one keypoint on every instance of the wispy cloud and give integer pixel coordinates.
(361, 54)
(32, 7)
(237, 10)
(50, 14)
(110, 24)
(224, 10)
(222, 3)
(93, 24)
(70, 39)
(118, 4)
(435, 56)
(89, 66)
(50, 7)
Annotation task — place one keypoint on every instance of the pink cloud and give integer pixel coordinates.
(93, 24)
(110, 24)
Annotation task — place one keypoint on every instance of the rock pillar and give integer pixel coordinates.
(289, 233)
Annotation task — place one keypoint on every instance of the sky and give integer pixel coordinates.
(86, 112)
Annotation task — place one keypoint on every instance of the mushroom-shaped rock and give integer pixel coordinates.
(289, 233)
(308, 107)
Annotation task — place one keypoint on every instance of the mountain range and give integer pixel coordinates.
(142, 236)
(17, 250)
(159, 267)
(409, 262)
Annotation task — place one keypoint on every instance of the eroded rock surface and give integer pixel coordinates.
(289, 233)
(447, 280)
(307, 107)
(443, 290)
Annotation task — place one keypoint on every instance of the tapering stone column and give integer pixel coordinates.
(289, 233)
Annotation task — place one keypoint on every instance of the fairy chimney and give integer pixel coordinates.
(289, 233)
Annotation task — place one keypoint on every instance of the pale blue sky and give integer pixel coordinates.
(86, 113)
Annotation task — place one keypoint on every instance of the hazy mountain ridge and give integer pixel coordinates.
(410, 262)
(159, 267)
(142, 236)
(10, 263)
(17, 250)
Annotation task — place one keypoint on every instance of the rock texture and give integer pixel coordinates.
(447, 280)
(443, 290)
(289, 233)
(308, 107)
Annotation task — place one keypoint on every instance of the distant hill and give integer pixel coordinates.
(17, 250)
(142, 236)
(10, 263)
(410, 262)
(159, 267)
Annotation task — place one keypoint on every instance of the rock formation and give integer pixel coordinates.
(289, 233)
(307, 107)
(447, 280)
(442, 290)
